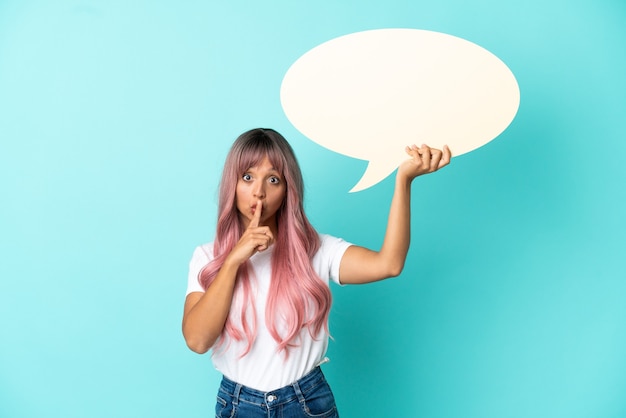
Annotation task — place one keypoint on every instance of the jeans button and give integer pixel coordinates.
(271, 398)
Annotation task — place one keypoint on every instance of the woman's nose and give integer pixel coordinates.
(259, 191)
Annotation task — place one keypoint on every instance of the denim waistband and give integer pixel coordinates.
(274, 397)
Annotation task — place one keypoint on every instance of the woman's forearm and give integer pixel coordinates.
(398, 234)
(206, 313)
(361, 265)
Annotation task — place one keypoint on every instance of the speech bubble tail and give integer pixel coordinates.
(374, 173)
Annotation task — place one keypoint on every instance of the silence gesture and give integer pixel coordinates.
(255, 238)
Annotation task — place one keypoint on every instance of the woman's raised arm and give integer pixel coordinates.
(205, 313)
(361, 265)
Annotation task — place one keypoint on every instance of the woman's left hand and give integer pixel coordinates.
(423, 160)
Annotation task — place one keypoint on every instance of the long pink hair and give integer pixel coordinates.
(297, 296)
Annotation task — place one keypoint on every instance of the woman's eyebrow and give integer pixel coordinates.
(270, 170)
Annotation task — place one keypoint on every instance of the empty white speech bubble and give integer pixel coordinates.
(369, 94)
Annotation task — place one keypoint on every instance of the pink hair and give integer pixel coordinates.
(297, 295)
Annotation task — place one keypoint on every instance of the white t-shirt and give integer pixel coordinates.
(263, 368)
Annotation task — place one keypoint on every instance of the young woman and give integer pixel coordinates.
(258, 296)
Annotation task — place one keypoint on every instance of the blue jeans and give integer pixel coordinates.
(310, 396)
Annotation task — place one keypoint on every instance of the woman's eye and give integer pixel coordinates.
(274, 180)
(246, 177)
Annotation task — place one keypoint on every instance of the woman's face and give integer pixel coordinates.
(262, 182)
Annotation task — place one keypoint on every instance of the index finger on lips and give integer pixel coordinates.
(256, 219)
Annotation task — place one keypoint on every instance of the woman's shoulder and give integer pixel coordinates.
(326, 237)
(327, 260)
(330, 242)
(203, 253)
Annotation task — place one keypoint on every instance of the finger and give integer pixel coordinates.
(411, 148)
(412, 151)
(425, 153)
(256, 219)
(266, 234)
(263, 239)
(445, 158)
(436, 158)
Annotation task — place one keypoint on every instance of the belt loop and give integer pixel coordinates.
(236, 393)
(296, 388)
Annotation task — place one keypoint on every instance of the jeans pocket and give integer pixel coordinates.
(320, 402)
(224, 408)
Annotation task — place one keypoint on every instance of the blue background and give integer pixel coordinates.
(115, 118)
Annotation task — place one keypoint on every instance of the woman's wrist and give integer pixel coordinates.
(404, 180)
(231, 264)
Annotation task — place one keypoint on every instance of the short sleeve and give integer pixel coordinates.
(200, 258)
(328, 258)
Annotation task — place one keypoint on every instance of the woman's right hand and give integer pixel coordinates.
(206, 312)
(254, 239)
